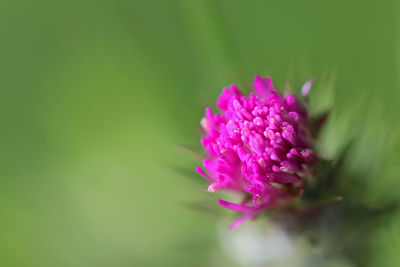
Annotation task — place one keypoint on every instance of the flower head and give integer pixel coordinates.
(259, 146)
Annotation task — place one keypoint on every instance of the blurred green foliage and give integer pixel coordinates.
(94, 95)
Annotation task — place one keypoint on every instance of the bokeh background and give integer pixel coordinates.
(97, 97)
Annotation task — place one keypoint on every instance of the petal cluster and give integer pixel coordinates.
(259, 146)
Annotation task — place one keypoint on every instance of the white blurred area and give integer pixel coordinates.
(259, 244)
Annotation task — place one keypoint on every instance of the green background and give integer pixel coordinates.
(95, 95)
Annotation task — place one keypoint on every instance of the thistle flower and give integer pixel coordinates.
(259, 146)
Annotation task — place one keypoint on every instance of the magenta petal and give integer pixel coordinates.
(291, 165)
(283, 177)
(202, 173)
(209, 165)
(227, 96)
(241, 220)
(235, 207)
(209, 114)
(224, 99)
(263, 87)
(253, 189)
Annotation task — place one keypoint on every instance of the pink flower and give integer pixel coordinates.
(259, 146)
